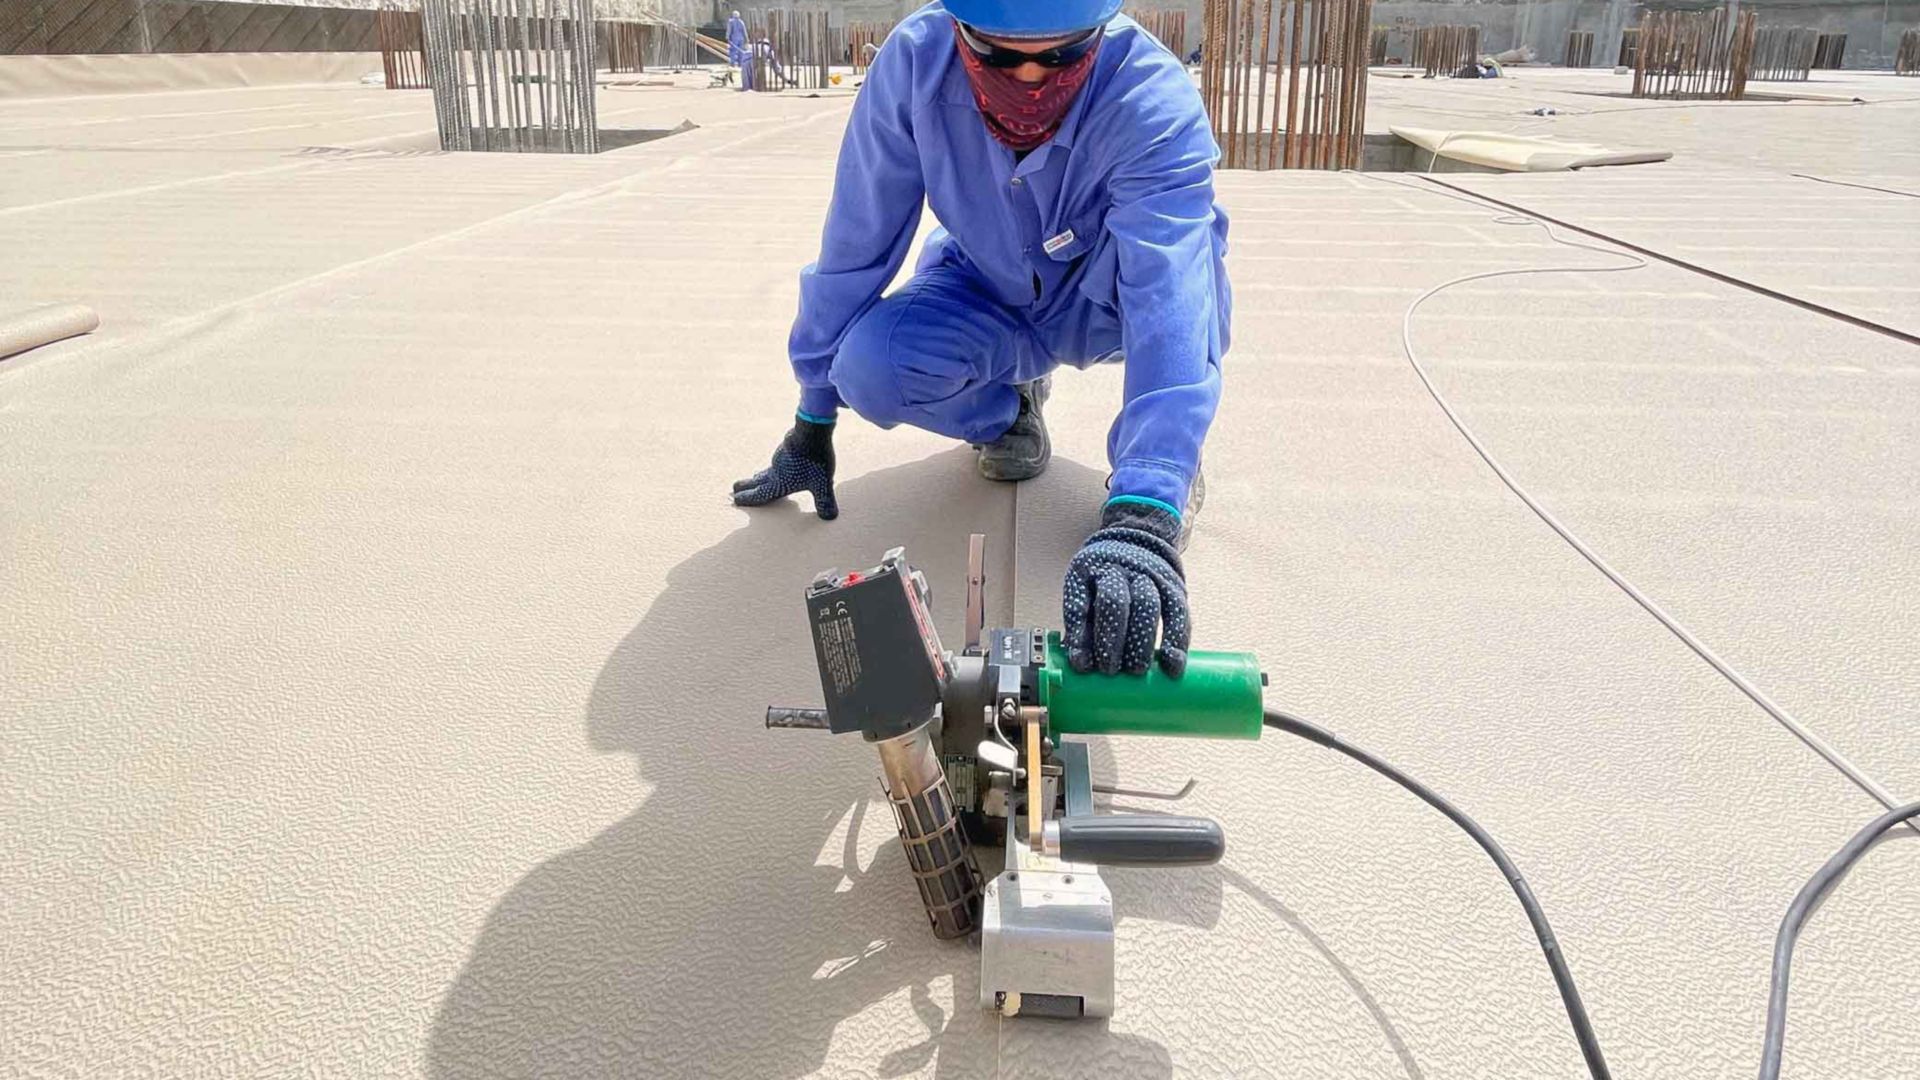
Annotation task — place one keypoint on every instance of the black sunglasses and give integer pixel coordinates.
(999, 56)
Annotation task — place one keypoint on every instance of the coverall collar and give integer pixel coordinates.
(1066, 133)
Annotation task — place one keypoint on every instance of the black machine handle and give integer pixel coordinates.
(1141, 840)
(782, 716)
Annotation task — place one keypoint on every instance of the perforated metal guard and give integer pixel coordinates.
(940, 858)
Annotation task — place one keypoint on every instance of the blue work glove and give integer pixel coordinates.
(1123, 587)
(804, 462)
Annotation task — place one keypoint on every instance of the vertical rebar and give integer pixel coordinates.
(1279, 91)
(1231, 58)
(1317, 43)
(1260, 95)
(1295, 113)
(1209, 86)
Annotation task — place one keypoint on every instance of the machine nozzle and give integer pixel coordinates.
(937, 849)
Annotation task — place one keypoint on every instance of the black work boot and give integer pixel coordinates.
(1023, 450)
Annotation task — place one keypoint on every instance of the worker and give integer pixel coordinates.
(737, 53)
(1069, 161)
(768, 61)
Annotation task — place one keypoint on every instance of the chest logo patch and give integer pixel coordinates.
(1058, 242)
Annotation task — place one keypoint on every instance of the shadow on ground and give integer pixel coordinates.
(713, 931)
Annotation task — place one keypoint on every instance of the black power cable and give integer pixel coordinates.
(1811, 894)
(1562, 978)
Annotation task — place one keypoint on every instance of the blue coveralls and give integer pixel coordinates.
(737, 54)
(1103, 243)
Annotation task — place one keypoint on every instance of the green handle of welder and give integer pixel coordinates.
(1217, 698)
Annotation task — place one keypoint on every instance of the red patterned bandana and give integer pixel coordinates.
(1021, 114)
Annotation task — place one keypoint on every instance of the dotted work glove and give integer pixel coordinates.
(804, 462)
(1122, 587)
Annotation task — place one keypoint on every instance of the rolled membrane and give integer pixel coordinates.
(30, 329)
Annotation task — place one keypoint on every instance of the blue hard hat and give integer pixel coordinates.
(1032, 18)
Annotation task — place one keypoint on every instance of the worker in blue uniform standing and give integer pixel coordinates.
(1069, 161)
(737, 52)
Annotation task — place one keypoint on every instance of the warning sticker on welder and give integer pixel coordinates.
(839, 652)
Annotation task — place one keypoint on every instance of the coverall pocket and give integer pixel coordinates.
(1072, 241)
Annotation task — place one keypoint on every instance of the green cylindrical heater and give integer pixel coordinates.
(1217, 698)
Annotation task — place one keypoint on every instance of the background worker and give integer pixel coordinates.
(737, 53)
(1069, 161)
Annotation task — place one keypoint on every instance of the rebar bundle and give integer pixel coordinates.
(1579, 48)
(514, 75)
(629, 45)
(1168, 27)
(403, 48)
(1377, 46)
(1693, 55)
(1784, 53)
(1831, 53)
(1907, 60)
(684, 46)
(864, 40)
(1629, 47)
(1314, 54)
(1444, 50)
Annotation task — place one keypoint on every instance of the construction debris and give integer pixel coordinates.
(1693, 55)
(44, 325)
(1506, 152)
(1314, 53)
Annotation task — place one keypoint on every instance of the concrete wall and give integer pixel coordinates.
(1873, 26)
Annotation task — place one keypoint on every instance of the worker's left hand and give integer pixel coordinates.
(804, 462)
(1124, 588)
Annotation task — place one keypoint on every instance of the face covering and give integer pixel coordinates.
(1023, 115)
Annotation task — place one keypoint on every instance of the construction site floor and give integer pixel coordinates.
(384, 663)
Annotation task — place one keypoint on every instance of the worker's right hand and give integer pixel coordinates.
(1125, 590)
(804, 462)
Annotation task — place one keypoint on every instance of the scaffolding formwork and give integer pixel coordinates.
(1285, 81)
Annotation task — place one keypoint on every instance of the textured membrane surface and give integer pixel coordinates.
(384, 662)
